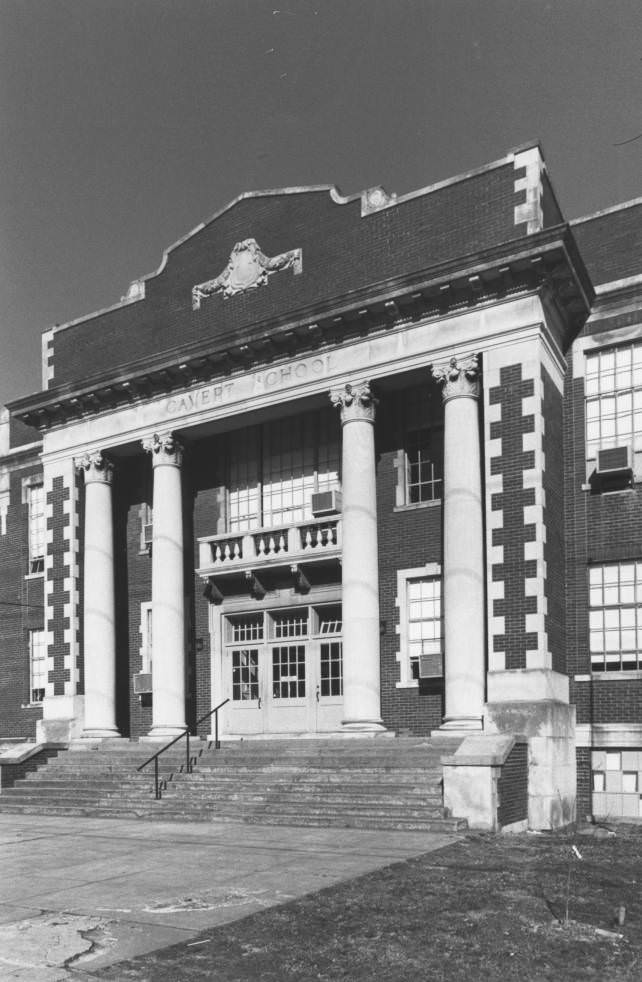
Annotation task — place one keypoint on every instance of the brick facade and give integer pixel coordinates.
(482, 265)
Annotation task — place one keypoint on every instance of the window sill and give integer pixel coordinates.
(35, 576)
(412, 684)
(623, 676)
(418, 505)
(32, 705)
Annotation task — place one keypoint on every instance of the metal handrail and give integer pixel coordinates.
(188, 763)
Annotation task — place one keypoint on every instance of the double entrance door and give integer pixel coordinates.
(283, 670)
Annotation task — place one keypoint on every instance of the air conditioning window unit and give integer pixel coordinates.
(142, 683)
(615, 460)
(148, 534)
(326, 503)
(614, 468)
(431, 666)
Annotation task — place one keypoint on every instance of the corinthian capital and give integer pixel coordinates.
(459, 377)
(95, 467)
(355, 402)
(164, 448)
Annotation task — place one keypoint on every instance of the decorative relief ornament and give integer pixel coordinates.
(247, 269)
(95, 467)
(374, 199)
(355, 402)
(164, 448)
(459, 377)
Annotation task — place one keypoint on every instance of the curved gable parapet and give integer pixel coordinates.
(269, 255)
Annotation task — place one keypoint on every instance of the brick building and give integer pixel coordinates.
(364, 464)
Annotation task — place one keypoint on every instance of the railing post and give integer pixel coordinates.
(157, 788)
(217, 742)
(189, 767)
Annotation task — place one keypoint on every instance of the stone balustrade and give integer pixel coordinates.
(281, 543)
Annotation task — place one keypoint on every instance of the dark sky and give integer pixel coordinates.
(124, 123)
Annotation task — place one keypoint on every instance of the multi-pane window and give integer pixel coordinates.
(146, 637)
(331, 668)
(38, 665)
(424, 464)
(288, 672)
(290, 625)
(614, 398)
(245, 675)
(37, 527)
(423, 613)
(615, 616)
(276, 468)
(246, 627)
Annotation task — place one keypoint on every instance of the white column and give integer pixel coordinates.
(168, 603)
(463, 546)
(360, 572)
(99, 609)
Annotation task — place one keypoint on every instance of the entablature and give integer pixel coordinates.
(546, 261)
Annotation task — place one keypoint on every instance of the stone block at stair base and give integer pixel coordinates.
(472, 782)
(549, 726)
(62, 719)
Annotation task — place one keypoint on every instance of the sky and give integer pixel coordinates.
(125, 123)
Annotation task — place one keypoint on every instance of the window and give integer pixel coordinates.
(38, 665)
(37, 527)
(419, 432)
(288, 672)
(615, 617)
(146, 637)
(245, 627)
(276, 468)
(245, 675)
(420, 619)
(331, 669)
(293, 624)
(146, 527)
(614, 398)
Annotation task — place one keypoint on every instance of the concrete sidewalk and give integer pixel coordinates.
(77, 894)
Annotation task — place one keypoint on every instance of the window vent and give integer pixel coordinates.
(142, 683)
(431, 666)
(326, 503)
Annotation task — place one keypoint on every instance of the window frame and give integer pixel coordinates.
(432, 571)
(36, 526)
(41, 659)
(617, 596)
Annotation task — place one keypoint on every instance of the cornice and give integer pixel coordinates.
(544, 260)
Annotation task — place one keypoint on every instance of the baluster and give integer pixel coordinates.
(281, 543)
(331, 538)
(226, 551)
(271, 545)
(261, 549)
(217, 553)
(308, 538)
(319, 537)
(237, 549)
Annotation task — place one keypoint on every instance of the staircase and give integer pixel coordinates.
(359, 783)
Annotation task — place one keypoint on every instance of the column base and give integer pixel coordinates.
(159, 733)
(461, 724)
(363, 726)
(100, 733)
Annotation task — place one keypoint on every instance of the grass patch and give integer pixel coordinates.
(489, 907)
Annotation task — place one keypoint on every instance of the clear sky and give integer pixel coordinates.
(124, 123)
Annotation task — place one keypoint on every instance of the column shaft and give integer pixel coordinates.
(99, 612)
(463, 564)
(360, 572)
(168, 592)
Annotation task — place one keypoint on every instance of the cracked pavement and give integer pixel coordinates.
(77, 894)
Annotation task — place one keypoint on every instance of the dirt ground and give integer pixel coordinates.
(563, 906)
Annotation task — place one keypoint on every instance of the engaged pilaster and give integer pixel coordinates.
(360, 571)
(463, 563)
(99, 598)
(168, 604)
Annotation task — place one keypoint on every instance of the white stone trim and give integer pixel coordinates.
(401, 629)
(407, 348)
(527, 685)
(607, 735)
(530, 211)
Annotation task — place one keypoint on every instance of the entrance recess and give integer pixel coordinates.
(282, 670)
